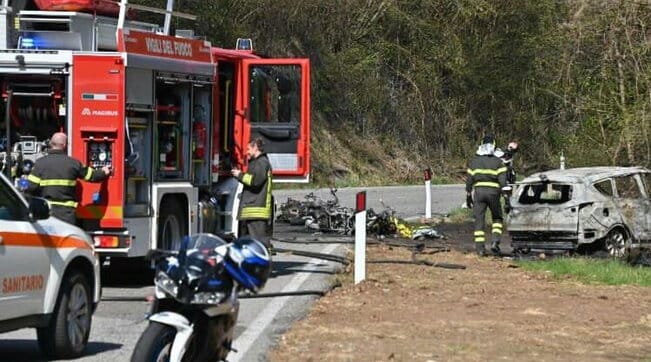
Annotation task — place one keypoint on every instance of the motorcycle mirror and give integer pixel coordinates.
(223, 249)
(157, 254)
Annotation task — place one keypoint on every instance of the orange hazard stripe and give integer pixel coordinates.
(42, 240)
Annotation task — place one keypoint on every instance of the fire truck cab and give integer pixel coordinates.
(171, 114)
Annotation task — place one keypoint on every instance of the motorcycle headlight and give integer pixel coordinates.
(208, 298)
(167, 284)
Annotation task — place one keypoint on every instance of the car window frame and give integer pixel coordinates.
(13, 199)
(645, 178)
(612, 187)
(638, 184)
(540, 188)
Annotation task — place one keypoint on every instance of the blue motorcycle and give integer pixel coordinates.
(196, 304)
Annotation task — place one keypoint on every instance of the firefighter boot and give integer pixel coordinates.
(480, 249)
(495, 247)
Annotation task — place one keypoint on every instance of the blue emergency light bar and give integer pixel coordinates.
(244, 44)
(26, 43)
(49, 40)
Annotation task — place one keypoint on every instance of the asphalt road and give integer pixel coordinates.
(408, 201)
(119, 319)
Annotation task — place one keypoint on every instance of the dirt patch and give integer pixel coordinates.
(492, 310)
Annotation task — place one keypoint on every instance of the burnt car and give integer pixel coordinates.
(589, 208)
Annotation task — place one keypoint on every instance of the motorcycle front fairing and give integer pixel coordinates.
(184, 318)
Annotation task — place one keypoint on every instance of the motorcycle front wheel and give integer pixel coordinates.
(155, 344)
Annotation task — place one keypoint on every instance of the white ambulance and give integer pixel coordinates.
(49, 275)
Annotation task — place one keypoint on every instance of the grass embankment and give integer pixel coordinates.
(585, 270)
(592, 271)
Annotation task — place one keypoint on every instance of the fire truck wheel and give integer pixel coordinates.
(171, 225)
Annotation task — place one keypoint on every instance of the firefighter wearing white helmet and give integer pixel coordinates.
(507, 157)
(486, 177)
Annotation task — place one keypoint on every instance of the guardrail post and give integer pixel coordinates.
(428, 193)
(360, 237)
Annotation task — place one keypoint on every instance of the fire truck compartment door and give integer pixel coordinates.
(29, 62)
(277, 109)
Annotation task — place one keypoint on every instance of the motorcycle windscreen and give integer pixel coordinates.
(278, 111)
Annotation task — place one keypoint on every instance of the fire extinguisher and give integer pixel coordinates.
(199, 136)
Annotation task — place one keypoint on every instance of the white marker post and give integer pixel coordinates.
(428, 193)
(360, 237)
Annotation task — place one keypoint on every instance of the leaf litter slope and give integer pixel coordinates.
(491, 310)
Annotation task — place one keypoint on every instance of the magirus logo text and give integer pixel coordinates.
(100, 113)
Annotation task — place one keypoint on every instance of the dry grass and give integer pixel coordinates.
(490, 311)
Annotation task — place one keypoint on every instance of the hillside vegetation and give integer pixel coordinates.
(398, 86)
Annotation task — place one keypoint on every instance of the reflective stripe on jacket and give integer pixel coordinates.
(256, 196)
(54, 177)
(486, 171)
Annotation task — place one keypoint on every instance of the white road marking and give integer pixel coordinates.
(259, 324)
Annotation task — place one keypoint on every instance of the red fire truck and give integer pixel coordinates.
(170, 113)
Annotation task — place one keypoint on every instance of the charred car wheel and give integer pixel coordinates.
(617, 243)
(522, 251)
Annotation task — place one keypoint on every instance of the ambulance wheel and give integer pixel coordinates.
(171, 225)
(66, 335)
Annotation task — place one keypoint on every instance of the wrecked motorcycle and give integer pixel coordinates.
(381, 223)
(386, 223)
(329, 216)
